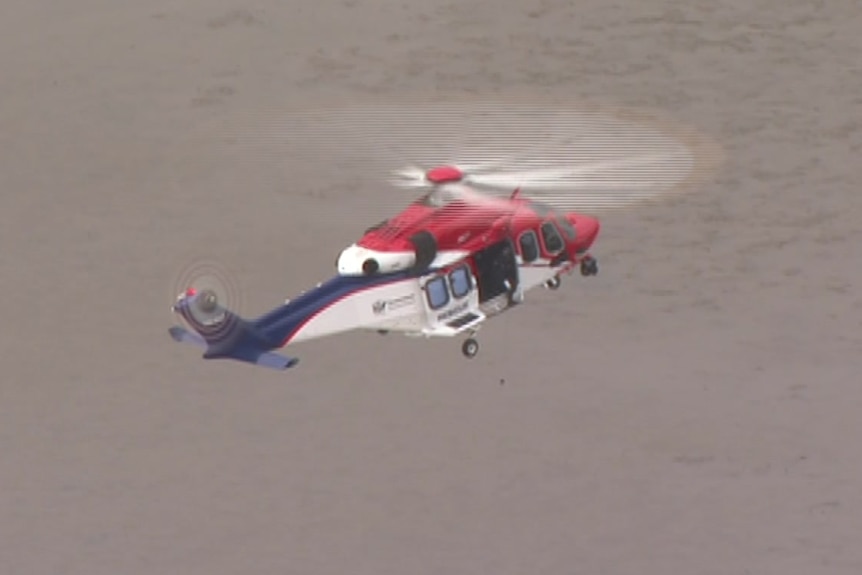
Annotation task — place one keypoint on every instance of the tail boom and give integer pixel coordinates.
(344, 303)
(227, 337)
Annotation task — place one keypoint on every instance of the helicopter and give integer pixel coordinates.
(450, 261)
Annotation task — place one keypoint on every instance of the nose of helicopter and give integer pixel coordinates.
(587, 230)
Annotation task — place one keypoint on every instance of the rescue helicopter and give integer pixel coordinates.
(451, 260)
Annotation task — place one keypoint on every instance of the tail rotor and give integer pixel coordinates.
(208, 301)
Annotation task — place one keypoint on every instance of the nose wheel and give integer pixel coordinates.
(553, 283)
(470, 348)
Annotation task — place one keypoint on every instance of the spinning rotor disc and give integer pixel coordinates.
(573, 158)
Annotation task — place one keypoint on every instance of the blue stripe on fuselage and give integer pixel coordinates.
(280, 324)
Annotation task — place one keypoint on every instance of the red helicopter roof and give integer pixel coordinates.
(452, 212)
(447, 219)
(455, 214)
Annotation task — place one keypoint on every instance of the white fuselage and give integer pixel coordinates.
(403, 306)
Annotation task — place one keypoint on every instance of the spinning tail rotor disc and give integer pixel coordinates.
(208, 299)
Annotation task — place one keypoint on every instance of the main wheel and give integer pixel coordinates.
(589, 267)
(470, 348)
(553, 283)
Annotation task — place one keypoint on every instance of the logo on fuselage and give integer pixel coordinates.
(382, 306)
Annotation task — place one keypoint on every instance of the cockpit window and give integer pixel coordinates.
(551, 238)
(529, 244)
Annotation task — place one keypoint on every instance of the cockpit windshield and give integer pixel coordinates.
(567, 227)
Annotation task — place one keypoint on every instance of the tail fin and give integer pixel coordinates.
(222, 334)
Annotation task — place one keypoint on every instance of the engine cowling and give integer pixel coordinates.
(358, 260)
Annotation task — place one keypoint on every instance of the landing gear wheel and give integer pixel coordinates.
(470, 348)
(589, 266)
(553, 283)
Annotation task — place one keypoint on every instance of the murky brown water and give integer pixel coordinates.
(692, 410)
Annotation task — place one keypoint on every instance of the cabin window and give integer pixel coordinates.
(437, 292)
(551, 237)
(567, 227)
(529, 244)
(459, 279)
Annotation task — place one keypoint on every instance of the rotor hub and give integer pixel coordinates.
(207, 301)
(444, 175)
